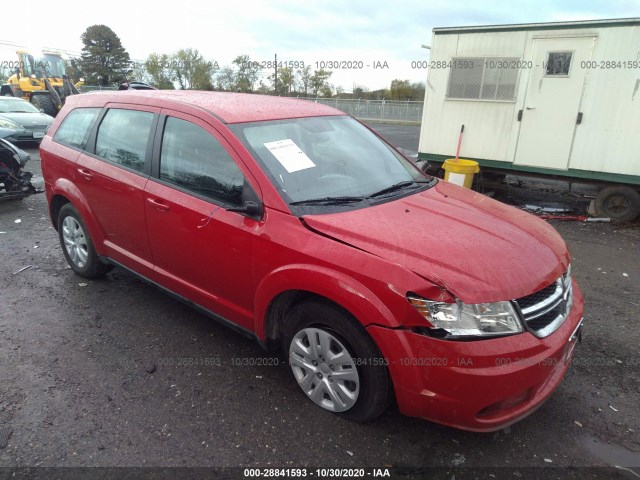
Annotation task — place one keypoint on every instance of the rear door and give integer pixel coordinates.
(202, 251)
(112, 177)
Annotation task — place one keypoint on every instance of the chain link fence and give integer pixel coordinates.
(92, 88)
(395, 110)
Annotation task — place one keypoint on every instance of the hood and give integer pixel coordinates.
(29, 119)
(479, 249)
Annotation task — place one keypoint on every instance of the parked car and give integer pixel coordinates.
(300, 227)
(27, 122)
(135, 86)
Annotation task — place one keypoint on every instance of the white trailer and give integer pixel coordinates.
(559, 99)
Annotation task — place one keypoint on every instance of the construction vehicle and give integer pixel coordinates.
(40, 80)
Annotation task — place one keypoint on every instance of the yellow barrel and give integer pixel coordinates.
(460, 172)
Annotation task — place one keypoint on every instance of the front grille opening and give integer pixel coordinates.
(536, 298)
(545, 320)
(546, 310)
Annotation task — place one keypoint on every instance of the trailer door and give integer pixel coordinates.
(550, 111)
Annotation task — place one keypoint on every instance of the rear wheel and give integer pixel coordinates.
(335, 362)
(44, 103)
(77, 245)
(618, 202)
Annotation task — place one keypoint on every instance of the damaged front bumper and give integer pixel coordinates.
(482, 385)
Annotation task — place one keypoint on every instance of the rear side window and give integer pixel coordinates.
(76, 127)
(193, 159)
(122, 137)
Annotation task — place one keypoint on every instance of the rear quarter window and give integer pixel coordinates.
(76, 127)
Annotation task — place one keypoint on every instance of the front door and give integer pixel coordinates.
(202, 251)
(550, 113)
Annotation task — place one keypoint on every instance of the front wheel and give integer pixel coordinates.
(335, 362)
(77, 245)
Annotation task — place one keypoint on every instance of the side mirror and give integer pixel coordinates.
(41, 111)
(248, 208)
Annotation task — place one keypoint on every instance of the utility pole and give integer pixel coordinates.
(275, 74)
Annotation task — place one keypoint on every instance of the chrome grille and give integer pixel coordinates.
(546, 310)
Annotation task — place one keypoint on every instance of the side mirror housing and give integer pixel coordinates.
(250, 209)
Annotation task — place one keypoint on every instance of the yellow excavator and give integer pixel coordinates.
(40, 80)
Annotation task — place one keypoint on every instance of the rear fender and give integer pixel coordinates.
(65, 188)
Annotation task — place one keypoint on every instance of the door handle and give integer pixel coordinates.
(162, 207)
(531, 108)
(519, 115)
(579, 119)
(84, 173)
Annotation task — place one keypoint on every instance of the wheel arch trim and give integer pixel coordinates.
(66, 189)
(337, 287)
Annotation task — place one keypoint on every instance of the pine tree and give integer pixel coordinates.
(104, 61)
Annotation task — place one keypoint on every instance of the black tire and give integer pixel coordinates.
(375, 388)
(91, 267)
(44, 103)
(618, 202)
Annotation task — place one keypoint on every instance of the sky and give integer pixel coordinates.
(367, 34)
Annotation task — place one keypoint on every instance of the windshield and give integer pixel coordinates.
(50, 66)
(331, 160)
(16, 105)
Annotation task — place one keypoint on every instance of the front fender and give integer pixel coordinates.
(65, 188)
(338, 287)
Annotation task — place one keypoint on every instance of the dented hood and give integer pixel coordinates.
(479, 249)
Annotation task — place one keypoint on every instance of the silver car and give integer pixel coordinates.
(27, 122)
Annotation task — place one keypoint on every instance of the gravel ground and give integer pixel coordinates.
(115, 373)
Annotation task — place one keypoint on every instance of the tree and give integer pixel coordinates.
(226, 79)
(400, 90)
(286, 79)
(327, 90)
(304, 79)
(192, 71)
(319, 81)
(3, 75)
(264, 89)
(158, 66)
(139, 73)
(417, 90)
(104, 61)
(247, 75)
(72, 68)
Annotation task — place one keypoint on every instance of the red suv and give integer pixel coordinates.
(299, 226)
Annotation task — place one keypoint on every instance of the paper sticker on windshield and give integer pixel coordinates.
(289, 155)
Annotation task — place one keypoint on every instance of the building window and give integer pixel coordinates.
(483, 78)
(558, 64)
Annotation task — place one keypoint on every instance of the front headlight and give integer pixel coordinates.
(464, 320)
(6, 123)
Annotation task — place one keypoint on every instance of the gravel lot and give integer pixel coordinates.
(115, 373)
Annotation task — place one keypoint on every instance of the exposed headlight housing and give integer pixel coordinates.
(460, 320)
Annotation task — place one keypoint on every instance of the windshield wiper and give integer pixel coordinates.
(327, 201)
(397, 186)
